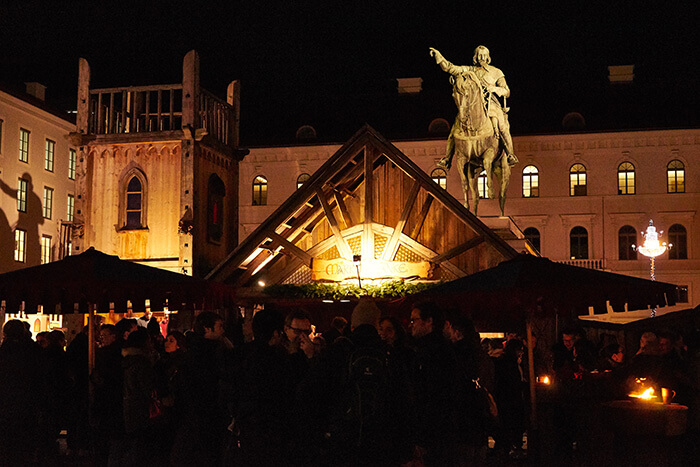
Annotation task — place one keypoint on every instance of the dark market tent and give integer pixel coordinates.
(99, 279)
(94, 280)
(508, 293)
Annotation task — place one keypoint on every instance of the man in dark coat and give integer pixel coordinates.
(434, 380)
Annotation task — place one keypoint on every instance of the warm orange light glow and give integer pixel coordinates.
(545, 380)
(648, 394)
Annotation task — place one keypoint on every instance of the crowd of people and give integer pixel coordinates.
(367, 392)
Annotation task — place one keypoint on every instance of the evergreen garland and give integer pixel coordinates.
(390, 289)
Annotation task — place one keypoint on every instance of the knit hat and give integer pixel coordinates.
(366, 312)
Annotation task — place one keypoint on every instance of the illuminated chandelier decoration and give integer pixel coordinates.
(652, 248)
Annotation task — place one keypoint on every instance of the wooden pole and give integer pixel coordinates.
(91, 337)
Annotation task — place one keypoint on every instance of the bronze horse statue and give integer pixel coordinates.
(474, 142)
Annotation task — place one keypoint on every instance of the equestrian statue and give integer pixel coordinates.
(480, 136)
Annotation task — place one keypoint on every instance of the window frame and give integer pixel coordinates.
(575, 179)
(20, 246)
(260, 189)
(679, 242)
(70, 207)
(676, 171)
(534, 188)
(46, 249)
(124, 198)
(72, 162)
(216, 196)
(301, 182)
(22, 192)
(439, 176)
(625, 252)
(482, 186)
(529, 237)
(47, 204)
(24, 145)
(49, 154)
(579, 235)
(626, 183)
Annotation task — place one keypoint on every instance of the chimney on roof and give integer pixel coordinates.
(35, 89)
(410, 85)
(621, 74)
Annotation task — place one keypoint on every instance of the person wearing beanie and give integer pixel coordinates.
(366, 312)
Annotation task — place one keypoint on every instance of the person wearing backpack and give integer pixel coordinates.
(359, 429)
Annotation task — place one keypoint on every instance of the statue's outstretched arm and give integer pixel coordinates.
(445, 65)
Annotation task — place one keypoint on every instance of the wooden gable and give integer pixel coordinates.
(401, 217)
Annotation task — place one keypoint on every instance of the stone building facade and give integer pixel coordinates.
(158, 172)
(579, 198)
(37, 175)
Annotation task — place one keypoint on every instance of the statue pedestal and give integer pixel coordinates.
(508, 230)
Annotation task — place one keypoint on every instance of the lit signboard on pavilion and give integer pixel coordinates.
(341, 269)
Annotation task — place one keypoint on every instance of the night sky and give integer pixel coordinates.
(333, 64)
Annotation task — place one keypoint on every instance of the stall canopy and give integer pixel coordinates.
(509, 292)
(99, 279)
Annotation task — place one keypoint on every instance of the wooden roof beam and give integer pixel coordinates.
(393, 243)
(343, 247)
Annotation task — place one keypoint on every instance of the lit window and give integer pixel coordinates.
(70, 208)
(531, 182)
(260, 191)
(577, 180)
(23, 145)
(134, 195)
(301, 179)
(626, 237)
(678, 238)
(579, 243)
(533, 236)
(48, 202)
(20, 245)
(439, 176)
(22, 195)
(48, 155)
(482, 185)
(625, 179)
(675, 172)
(45, 249)
(72, 159)
(215, 208)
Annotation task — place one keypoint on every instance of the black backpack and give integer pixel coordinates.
(364, 398)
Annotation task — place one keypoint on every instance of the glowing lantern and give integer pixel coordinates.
(652, 248)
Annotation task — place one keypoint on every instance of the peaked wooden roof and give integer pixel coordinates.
(403, 215)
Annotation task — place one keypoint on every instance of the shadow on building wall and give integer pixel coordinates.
(29, 221)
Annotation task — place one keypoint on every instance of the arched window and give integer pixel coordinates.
(260, 191)
(678, 238)
(533, 236)
(579, 243)
(439, 176)
(531, 182)
(626, 237)
(626, 181)
(482, 185)
(577, 180)
(675, 174)
(301, 179)
(134, 204)
(439, 126)
(216, 192)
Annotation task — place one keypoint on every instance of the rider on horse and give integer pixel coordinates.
(493, 84)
